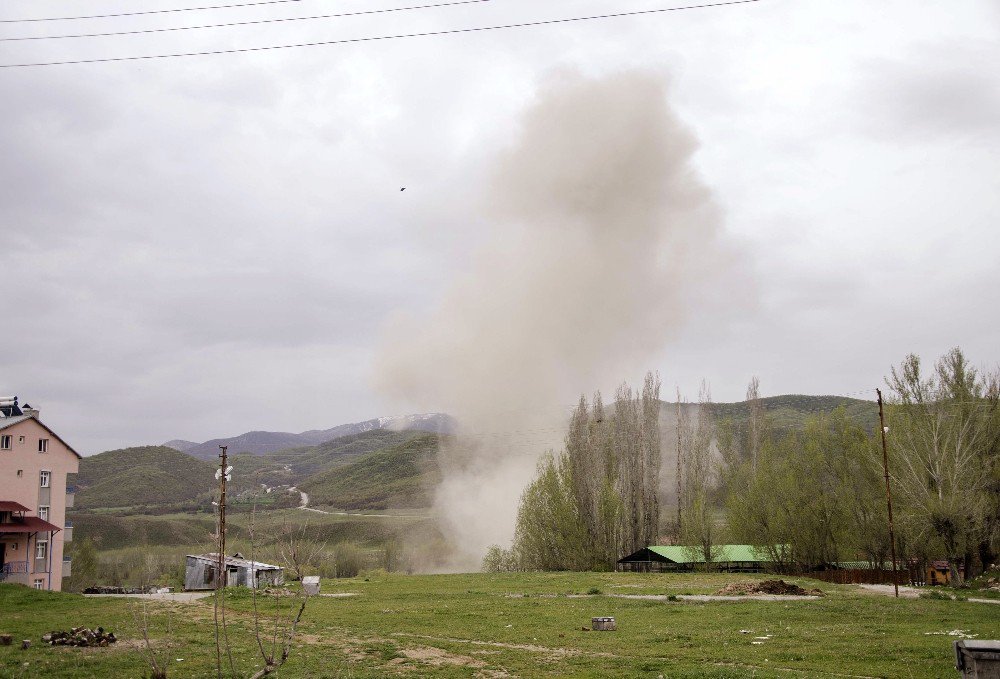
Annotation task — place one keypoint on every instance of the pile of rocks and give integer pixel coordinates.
(102, 589)
(80, 636)
(768, 587)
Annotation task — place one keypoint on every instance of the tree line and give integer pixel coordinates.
(807, 497)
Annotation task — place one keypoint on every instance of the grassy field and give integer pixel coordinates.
(526, 625)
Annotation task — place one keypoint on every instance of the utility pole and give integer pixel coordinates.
(888, 492)
(222, 576)
(222, 516)
(679, 468)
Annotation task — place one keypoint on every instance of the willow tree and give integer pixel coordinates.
(943, 436)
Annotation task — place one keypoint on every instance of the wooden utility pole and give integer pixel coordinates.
(222, 517)
(888, 492)
(679, 467)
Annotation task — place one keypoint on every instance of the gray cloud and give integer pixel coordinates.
(204, 246)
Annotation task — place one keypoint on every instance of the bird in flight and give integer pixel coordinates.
(403, 189)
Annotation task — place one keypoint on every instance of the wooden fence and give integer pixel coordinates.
(868, 576)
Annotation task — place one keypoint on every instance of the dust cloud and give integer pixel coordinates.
(600, 235)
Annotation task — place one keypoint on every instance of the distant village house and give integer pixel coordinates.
(34, 464)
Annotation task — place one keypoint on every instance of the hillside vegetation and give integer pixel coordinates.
(399, 476)
(145, 475)
(373, 469)
(790, 411)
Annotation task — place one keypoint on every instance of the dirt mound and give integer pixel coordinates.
(779, 587)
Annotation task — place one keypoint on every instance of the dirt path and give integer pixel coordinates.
(913, 593)
(182, 597)
(701, 597)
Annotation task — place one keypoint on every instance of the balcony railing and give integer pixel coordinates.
(13, 568)
(67, 569)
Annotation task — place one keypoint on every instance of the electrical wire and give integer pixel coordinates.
(152, 11)
(453, 31)
(247, 23)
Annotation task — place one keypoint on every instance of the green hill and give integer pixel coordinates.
(791, 411)
(292, 465)
(399, 476)
(313, 459)
(145, 475)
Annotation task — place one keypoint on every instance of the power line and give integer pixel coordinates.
(248, 23)
(452, 31)
(152, 11)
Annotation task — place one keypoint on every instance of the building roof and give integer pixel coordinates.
(237, 561)
(724, 554)
(29, 524)
(11, 421)
(11, 506)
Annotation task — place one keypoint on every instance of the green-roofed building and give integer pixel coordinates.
(729, 558)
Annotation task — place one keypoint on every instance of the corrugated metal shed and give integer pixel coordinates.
(201, 572)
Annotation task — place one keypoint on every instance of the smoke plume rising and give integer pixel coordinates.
(601, 235)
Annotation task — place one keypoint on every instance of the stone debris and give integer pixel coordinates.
(80, 636)
(960, 633)
(778, 587)
(26, 644)
(6, 639)
(103, 589)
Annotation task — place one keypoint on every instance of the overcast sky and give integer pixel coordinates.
(202, 246)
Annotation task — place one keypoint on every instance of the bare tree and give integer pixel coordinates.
(273, 661)
(700, 477)
(297, 550)
(756, 426)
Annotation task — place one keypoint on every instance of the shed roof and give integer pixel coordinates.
(725, 554)
(239, 562)
(11, 506)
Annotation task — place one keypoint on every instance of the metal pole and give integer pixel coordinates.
(888, 493)
(679, 484)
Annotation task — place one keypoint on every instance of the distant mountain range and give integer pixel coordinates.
(263, 442)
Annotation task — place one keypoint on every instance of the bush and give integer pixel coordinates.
(348, 559)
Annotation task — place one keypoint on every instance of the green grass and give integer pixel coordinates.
(527, 625)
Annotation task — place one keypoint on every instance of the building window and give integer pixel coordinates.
(43, 512)
(5, 441)
(41, 549)
(43, 445)
(39, 584)
(45, 477)
(20, 473)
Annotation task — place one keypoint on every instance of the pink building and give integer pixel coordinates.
(34, 463)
